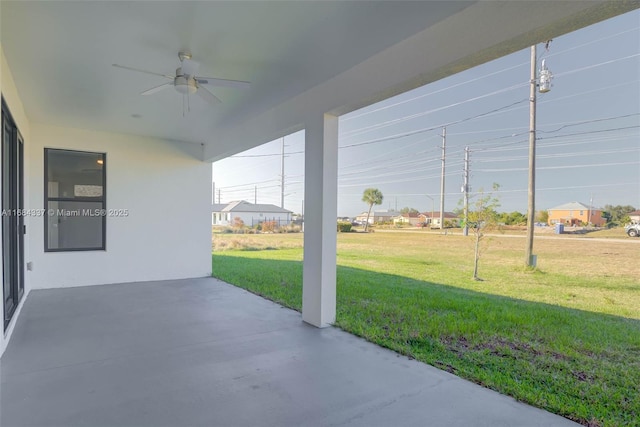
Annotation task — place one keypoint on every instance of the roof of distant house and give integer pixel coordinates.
(436, 214)
(381, 213)
(244, 206)
(572, 206)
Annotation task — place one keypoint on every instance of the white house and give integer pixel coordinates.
(249, 213)
(377, 216)
(102, 185)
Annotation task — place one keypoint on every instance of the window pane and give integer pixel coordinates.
(73, 174)
(74, 225)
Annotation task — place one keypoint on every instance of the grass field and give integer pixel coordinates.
(565, 337)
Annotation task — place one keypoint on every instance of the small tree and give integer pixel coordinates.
(543, 216)
(371, 196)
(617, 215)
(408, 210)
(482, 217)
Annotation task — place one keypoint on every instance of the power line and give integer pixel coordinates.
(412, 116)
(379, 126)
(588, 67)
(432, 93)
(453, 86)
(590, 132)
(561, 167)
(235, 156)
(405, 134)
(559, 155)
(398, 136)
(357, 174)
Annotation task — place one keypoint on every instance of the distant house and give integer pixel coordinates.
(634, 217)
(377, 217)
(575, 213)
(411, 218)
(250, 214)
(434, 222)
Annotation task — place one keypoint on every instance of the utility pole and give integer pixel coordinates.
(444, 148)
(590, 205)
(218, 196)
(544, 86)
(255, 195)
(465, 189)
(282, 177)
(531, 210)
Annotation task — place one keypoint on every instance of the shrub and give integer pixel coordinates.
(269, 226)
(344, 227)
(292, 228)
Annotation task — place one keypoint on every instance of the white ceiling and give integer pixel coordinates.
(60, 54)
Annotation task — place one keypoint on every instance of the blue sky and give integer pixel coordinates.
(588, 134)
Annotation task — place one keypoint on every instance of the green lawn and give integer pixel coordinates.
(565, 338)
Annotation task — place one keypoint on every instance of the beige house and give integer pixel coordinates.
(411, 218)
(576, 213)
(433, 219)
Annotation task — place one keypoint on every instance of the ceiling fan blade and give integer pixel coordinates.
(157, 88)
(208, 96)
(143, 71)
(190, 67)
(238, 84)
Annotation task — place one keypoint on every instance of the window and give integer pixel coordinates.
(75, 200)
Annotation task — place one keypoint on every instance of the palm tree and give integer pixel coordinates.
(371, 196)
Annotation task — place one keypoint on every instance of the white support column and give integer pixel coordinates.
(320, 208)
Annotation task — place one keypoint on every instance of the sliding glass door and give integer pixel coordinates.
(12, 152)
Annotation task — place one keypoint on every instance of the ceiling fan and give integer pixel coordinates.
(187, 81)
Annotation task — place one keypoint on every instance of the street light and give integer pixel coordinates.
(432, 209)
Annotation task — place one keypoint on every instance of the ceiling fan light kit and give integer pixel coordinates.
(185, 84)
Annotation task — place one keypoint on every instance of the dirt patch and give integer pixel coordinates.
(582, 376)
(498, 347)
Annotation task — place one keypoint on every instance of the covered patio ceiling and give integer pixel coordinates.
(303, 58)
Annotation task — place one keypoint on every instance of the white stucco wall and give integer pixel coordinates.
(167, 234)
(166, 190)
(11, 97)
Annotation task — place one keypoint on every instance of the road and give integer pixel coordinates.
(629, 240)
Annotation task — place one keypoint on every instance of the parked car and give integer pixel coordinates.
(633, 230)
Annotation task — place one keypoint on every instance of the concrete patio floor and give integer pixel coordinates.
(202, 352)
